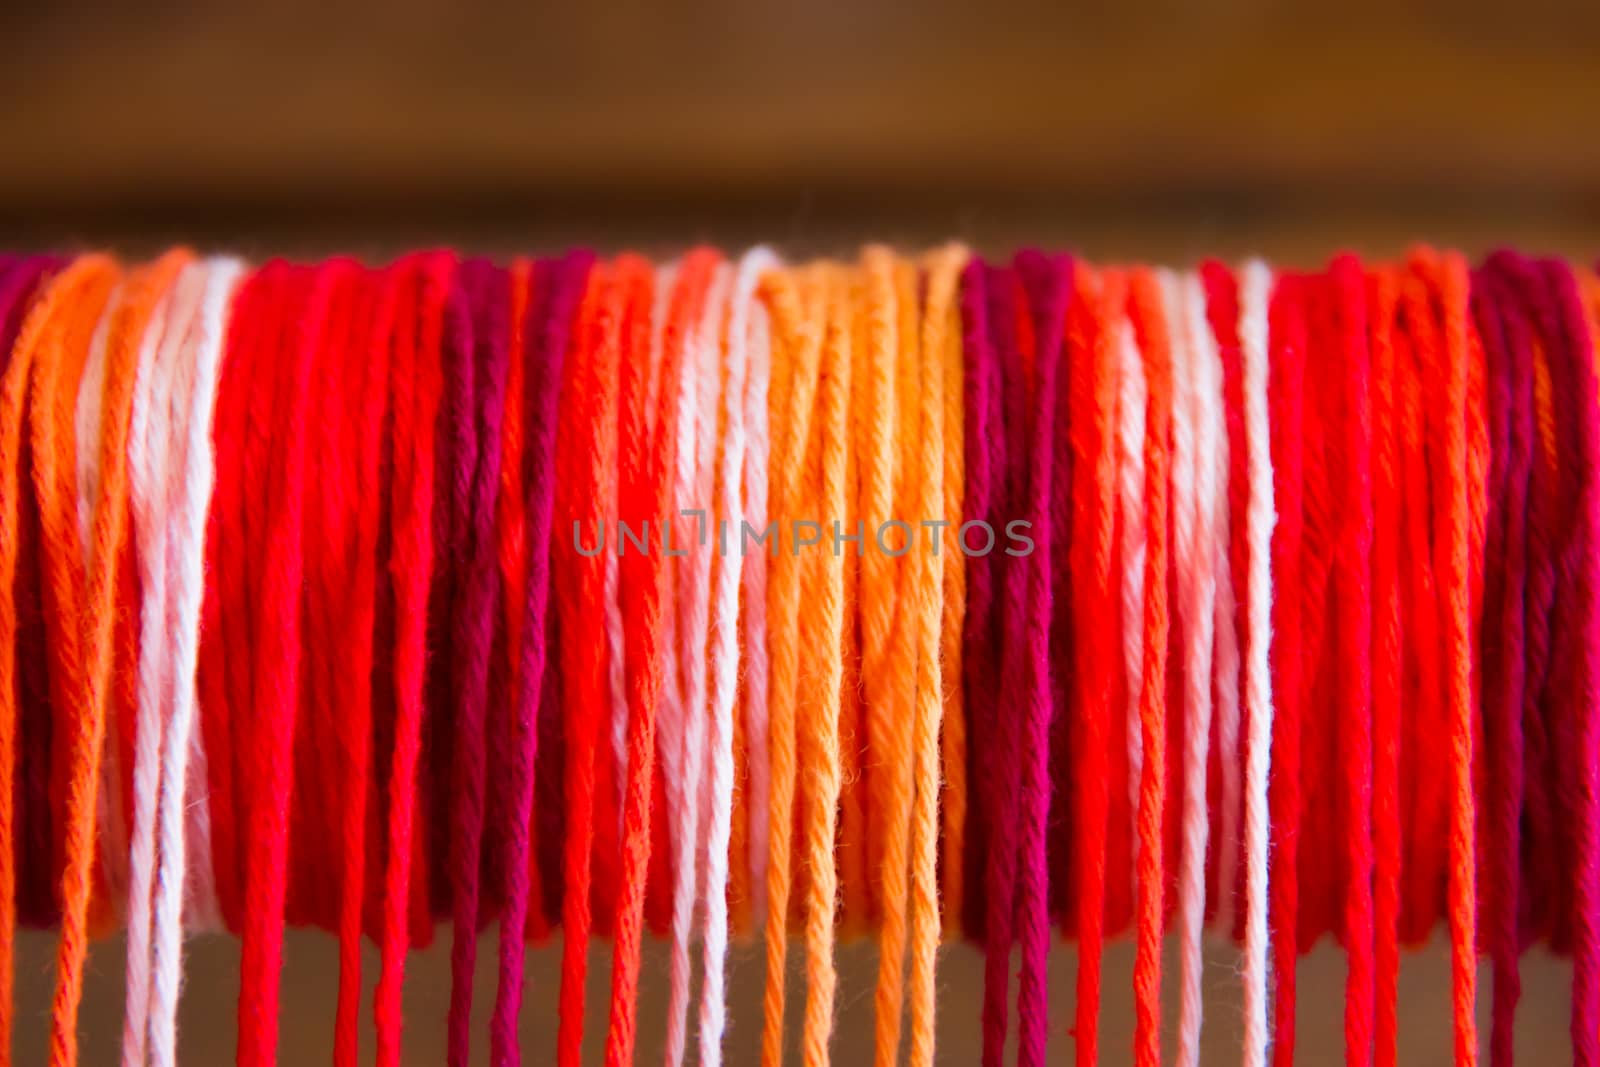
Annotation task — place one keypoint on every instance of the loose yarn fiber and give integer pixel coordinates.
(920, 598)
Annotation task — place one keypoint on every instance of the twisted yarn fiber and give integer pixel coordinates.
(477, 393)
(415, 385)
(999, 757)
(1387, 659)
(1510, 367)
(523, 596)
(583, 475)
(1354, 648)
(1093, 423)
(939, 329)
(797, 344)
(195, 386)
(277, 651)
(823, 586)
(1448, 375)
(642, 491)
(887, 659)
(1287, 355)
(1572, 701)
(737, 356)
(1049, 285)
(147, 461)
(17, 284)
(689, 529)
(1154, 345)
(1194, 492)
(1260, 522)
(55, 385)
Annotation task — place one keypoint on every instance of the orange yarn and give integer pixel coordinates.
(86, 585)
(86, 280)
(822, 628)
(924, 451)
(858, 827)
(953, 722)
(1150, 328)
(796, 353)
(888, 673)
(80, 657)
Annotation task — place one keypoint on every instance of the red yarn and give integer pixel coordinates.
(277, 466)
(317, 842)
(585, 474)
(1353, 649)
(1287, 353)
(1092, 320)
(644, 466)
(1320, 885)
(556, 288)
(223, 679)
(414, 387)
(1453, 374)
(1424, 777)
(1387, 662)
(1149, 324)
(476, 370)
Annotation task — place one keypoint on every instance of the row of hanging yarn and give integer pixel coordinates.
(912, 598)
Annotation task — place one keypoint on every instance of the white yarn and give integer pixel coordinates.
(1255, 294)
(202, 357)
(149, 443)
(1131, 395)
(696, 454)
(1193, 501)
(753, 621)
(724, 654)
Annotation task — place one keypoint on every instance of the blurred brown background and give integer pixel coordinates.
(1182, 130)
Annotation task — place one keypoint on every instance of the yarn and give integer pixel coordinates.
(477, 331)
(1387, 670)
(796, 351)
(737, 357)
(1222, 313)
(1287, 328)
(1354, 646)
(1092, 381)
(888, 655)
(818, 726)
(989, 914)
(1154, 344)
(939, 332)
(684, 733)
(415, 387)
(908, 597)
(17, 284)
(1194, 440)
(583, 473)
(642, 491)
(1510, 365)
(1449, 370)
